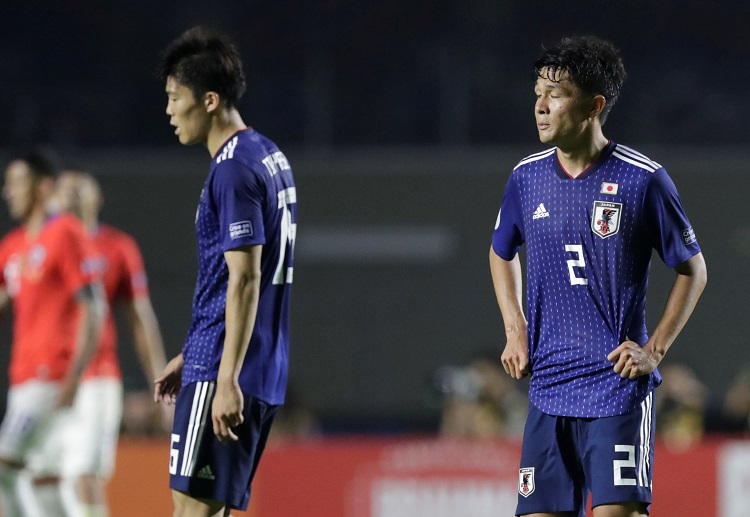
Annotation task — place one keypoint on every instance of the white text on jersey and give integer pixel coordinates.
(276, 162)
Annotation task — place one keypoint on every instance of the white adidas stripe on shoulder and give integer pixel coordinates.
(536, 156)
(635, 155)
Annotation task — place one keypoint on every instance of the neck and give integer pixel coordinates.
(90, 223)
(223, 125)
(35, 220)
(577, 157)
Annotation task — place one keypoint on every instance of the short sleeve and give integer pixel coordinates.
(3, 260)
(78, 260)
(670, 230)
(508, 235)
(238, 193)
(134, 282)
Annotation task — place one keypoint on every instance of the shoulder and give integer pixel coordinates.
(535, 159)
(67, 226)
(240, 158)
(634, 159)
(11, 240)
(111, 236)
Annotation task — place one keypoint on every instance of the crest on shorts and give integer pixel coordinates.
(526, 483)
(605, 221)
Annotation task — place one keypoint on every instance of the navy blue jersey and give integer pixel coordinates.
(249, 198)
(589, 241)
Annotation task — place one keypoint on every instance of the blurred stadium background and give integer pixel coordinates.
(402, 121)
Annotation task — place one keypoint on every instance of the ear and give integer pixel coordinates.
(598, 105)
(211, 101)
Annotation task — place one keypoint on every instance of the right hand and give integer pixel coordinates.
(515, 357)
(167, 385)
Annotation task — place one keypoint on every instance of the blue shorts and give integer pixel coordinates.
(563, 459)
(203, 467)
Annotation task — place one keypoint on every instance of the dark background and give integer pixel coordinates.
(402, 121)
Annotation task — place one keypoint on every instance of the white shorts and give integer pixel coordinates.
(33, 431)
(91, 441)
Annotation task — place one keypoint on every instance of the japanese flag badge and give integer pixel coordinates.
(609, 188)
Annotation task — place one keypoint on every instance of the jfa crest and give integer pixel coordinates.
(526, 483)
(605, 222)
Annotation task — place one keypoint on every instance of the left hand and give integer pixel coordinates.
(632, 360)
(226, 410)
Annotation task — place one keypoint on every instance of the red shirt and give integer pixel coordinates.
(42, 275)
(123, 275)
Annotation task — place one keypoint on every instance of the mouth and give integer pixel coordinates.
(542, 126)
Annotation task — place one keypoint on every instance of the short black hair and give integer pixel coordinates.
(204, 61)
(41, 164)
(592, 64)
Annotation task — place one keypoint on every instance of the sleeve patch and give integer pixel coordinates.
(688, 236)
(241, 229)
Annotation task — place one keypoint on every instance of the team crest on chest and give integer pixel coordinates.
(526, 483)
(605, 221)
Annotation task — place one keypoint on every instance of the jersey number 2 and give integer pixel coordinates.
(579, 262)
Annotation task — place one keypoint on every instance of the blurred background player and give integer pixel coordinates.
(50, 278)
(232, 373)
(97, 410)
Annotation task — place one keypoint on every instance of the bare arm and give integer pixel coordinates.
(92, 309)
(630, 359)
(146, 336)
(508, 282)
(4, 301)
(243, 293)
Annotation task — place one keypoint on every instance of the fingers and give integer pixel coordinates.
(515, 366)
(223, 427)
(629, 360)
(165, 392)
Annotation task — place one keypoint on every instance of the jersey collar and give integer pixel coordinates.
(588, 171)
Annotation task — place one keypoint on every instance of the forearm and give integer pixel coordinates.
(507, 282)
(241, 309)
(687, 289)
(87, 337)
(147, 338)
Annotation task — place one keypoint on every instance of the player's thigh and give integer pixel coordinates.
(619, 456)
(557, 514)
(205, 468)
(91, 440)
(27, 419)
(550, 480)
(621, 510)
(187, 506)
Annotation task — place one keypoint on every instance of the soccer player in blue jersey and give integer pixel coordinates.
(590, 211)
(232, 373)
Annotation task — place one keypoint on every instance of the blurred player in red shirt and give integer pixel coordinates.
(49, 277)
(92, 440)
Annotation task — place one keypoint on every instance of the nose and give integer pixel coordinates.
(541, 105)
(169, 108)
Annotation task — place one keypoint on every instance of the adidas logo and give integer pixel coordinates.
(205, 473)
(540, 212)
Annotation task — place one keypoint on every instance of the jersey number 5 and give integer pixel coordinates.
(579, 262)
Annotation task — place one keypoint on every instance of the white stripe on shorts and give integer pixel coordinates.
(644, 460)
(201, 398)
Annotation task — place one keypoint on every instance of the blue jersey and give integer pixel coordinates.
(249, 198)
(588, 242)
